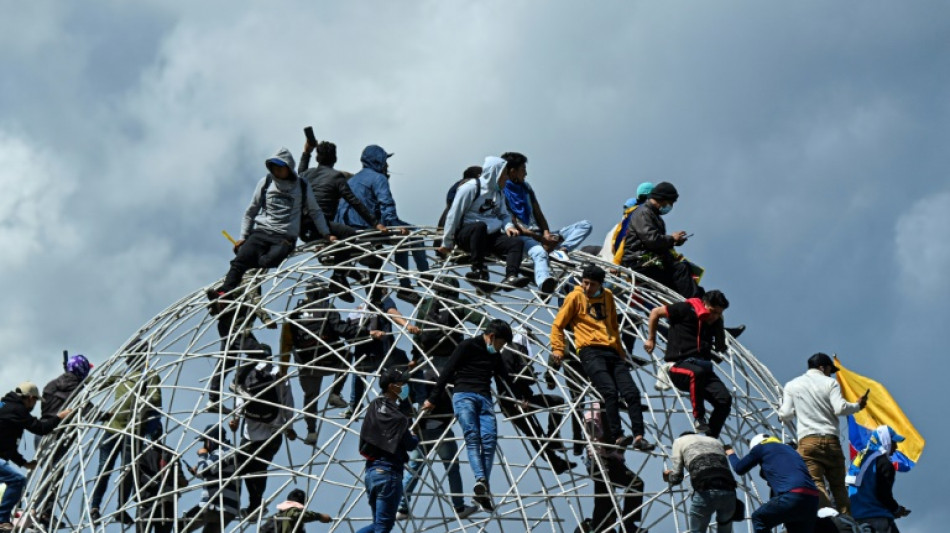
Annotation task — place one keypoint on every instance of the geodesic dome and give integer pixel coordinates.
(174, 377)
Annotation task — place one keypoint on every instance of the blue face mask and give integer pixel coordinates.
(491, 348)
(598, 293)
(665, 210)
(404, 391)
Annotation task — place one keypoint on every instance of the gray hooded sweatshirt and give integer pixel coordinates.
(484, 204)
(284, 204)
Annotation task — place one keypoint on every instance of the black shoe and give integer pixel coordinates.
(482, 497)
(643, 445)
(515, 282)
(560, 465)
(356, 276)
(737, 331)
(125, 518)
(341, 288)
(406, 294)
(94, 514)
(477, 274)
(701, 426)
(578, 449)
(624, 440)
(548, 286)
(215, 307)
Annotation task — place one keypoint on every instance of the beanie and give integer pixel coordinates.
(664, 191)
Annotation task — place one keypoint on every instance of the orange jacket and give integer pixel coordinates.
(594, 321)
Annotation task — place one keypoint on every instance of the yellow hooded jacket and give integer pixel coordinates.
(594, 321)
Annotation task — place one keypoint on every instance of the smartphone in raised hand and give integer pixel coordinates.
(308, 132)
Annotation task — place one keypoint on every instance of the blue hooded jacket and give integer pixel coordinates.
(371, 186)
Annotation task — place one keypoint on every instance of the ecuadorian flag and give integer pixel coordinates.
(881, 409)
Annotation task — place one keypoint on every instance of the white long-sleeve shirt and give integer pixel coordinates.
(815, 400)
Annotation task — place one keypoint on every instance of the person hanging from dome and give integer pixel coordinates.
(158, 479)
(695, 332)
(330, 188)
(649, 251)
(221, 490)
(592, 314)
(539, 241)
(281, 208)
(714, 487)
(266, 408)
(385, 442)
(517, 360)
(314, 333)
(15, 418)
(479, 223)
(56, 394)
(473, 365)
(371, 186)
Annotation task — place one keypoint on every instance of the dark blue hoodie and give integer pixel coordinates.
(371, 186)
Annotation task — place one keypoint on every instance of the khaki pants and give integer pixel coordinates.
(825, 461)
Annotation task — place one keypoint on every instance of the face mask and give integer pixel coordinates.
(491, 348)
(404, 391)
(598, 293)
(665, 210)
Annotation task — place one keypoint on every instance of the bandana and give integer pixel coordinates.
(519, 201)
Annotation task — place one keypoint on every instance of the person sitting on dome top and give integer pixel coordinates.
(272, 222)
(371, 186)
(539, 241)
(479, 222)
(648, 250)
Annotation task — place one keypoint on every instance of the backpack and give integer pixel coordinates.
(450, 196)
(263, 400)
(308, 230)
(440, 341)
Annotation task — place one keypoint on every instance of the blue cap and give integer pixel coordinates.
(276, 161)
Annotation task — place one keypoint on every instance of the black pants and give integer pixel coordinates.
(156, 518)
(530, 427)
(611, 377)
(254, 467)
(239, 343)
(211, 520)
(676, 276)
(475, 239)
(698, 378)
(605, 512)
(260, 250)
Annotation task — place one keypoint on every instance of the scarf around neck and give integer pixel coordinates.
(518, 196)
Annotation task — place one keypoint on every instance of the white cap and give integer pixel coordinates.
(28, 389)
(756, 440)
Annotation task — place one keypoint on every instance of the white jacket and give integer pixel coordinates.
(816, 401)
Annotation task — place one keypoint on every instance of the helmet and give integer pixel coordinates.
(78, 365)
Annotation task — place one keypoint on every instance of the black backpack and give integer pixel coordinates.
(308, 230)
(263, 400)
(440, 342)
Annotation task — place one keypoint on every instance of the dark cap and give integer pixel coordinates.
(389, 376)
(664, 192)
(594, 273)
(821, 359)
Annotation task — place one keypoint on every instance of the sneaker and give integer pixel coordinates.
(701, 426)
(548, 285)
(348, 414)
(624, 440)
(341, 288)
(335, 400)
(125, 518)
(643, 445)
(578, 449)
(560, 465)
(214, 407)
(402, 514)
(356, 276)
(94, 514)
(466, 511)
(736, 331)
(311, 438)
(482, 496)
(408, 295)
(215, 307)
(477, 274)
(515, 282)
(560, 255)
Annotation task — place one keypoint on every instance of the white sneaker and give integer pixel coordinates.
(310, 439)
(402, 515)
(466, 511)
(560, 255)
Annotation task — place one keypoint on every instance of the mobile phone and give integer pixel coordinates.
(308, 132)
(867, 393)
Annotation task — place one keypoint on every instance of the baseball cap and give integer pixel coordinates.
(821, 359)
(28, 389)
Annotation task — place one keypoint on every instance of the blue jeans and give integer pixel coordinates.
(571, 237)
(447, 450)
(14, 480)
(109, 451)
(384, 489)
(797, 511)
(706, 502)
(477, 418)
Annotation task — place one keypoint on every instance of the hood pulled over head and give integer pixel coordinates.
(375, 158)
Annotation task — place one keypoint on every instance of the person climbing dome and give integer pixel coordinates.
(273, 221)
(479, 222)
(871, 482)
(539, 241)
(292, 515)
(695, 332)
(589, 310)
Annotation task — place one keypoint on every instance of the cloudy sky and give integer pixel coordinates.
(807, 139)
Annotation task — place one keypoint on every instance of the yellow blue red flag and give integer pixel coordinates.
(881, 410)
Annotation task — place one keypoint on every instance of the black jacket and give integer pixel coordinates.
(313, 323)
(471, 368)
(385, 433)
(14, 418)
(57, 392)
(329, 185)
(647, 235)
(690, 337)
